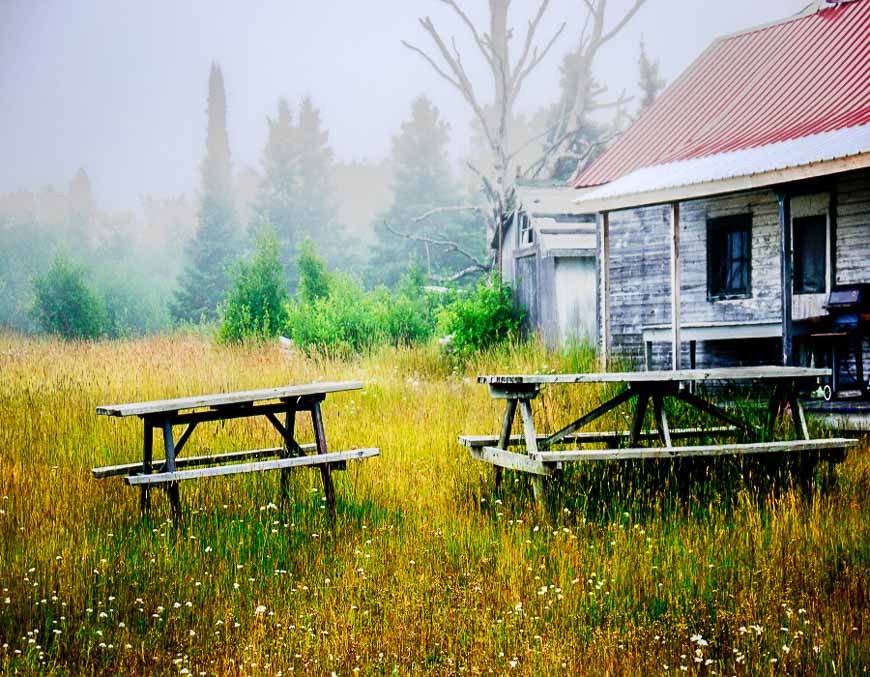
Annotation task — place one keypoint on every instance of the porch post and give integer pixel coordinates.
(785, 257)
(603, 262)
(675, 285)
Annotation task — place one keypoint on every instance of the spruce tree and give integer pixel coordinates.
(650, 83)
(278, 196)
(316, 210)
(423, 181)
(214, 247)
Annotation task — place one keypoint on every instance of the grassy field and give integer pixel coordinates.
(637, 568)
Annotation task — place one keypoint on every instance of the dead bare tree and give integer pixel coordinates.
(579, 90)
(507, 80)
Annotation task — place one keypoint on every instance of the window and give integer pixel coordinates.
(729, 264)
(810, 242)
(527, 234)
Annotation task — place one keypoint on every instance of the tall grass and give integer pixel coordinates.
(629, 569)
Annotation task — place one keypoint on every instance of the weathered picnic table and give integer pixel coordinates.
(542, 461)
(191, 411)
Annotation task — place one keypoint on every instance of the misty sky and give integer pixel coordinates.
(119, 88)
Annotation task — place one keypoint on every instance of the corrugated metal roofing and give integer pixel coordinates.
(785, 81)
(807, 150)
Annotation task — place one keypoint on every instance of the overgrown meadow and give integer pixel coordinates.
(640, 568)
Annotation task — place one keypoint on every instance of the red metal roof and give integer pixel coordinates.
(784, 81)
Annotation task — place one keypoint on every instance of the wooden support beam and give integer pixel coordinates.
(785, 256)
(319, 460)
(675, 284)
(192, 461)
(603, 262)
(791, 446)
(586, 419)
(323, 450)
(612, 437)
(505, 436)
(512, 460)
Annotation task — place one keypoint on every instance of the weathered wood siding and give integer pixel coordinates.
(853, 228)
(526, 289)
(639, 278)
(640, 270)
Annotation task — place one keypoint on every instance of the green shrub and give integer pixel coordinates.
(334, 314)
(314, 279)
(481, 319)
(256, 305)
(66, 305)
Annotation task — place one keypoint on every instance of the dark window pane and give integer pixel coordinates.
(728, 256)
(810, 239)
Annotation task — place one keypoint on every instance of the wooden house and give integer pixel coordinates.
(736, 206)
(548, 257)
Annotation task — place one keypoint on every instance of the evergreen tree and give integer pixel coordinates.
(278, 196)
(423, 181)
(650, 83)
(213, 249)
(316, 210)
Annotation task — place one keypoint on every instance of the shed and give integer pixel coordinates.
(548, 256)
(736, 205)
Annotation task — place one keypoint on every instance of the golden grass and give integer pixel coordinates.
(425, 570)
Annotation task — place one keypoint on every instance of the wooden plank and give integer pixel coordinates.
(507, 381)
(676, 349)
(604, 284)
(512, 460)
(584, 420)
(714, 331)
(259, 466)
(785, 254)
(701, 450)
(244, 396)
(193, 461)
(595, 437)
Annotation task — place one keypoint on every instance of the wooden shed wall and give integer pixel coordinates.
(640, 270)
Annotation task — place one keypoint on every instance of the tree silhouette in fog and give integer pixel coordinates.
(214, 248)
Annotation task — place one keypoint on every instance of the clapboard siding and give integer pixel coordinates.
(640, 269)
(853, 228)
(639, 278)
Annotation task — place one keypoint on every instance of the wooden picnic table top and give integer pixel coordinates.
(223, 399)
(659, 376)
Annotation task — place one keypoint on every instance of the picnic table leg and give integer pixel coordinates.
(172, 487)
(531, 446)
(505, 436)
(290, 428)
(808, 460)
(325, 471)
(661, 418)
(639, 414)
(147, 455)
(774, 410)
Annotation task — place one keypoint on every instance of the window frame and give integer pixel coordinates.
(716, 227)
(795, 228)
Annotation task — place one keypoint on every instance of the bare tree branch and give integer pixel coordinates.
(446, 245)
(458, 276)
(625, 19)
(446, 210)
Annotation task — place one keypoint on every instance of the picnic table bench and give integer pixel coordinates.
(542, 461)
(191, 411)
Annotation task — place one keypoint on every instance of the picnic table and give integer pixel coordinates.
(542, 461)
(270, 403)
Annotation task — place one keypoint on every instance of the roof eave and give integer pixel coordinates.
(730, 185)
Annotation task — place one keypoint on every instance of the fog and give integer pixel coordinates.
(105, 163)
(119, 88)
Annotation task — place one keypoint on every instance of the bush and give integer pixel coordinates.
(256, 305)
(481, 319)
(334, 314)
(313, 276)
(66, 305)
